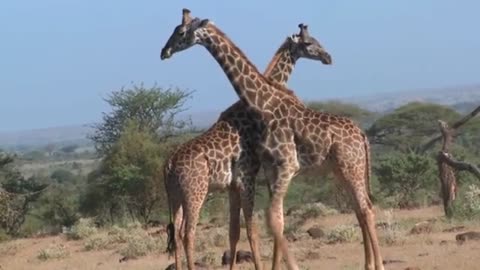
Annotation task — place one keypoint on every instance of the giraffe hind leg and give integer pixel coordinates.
(191, 213)
(353, 179)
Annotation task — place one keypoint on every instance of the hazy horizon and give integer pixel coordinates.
(59, 59)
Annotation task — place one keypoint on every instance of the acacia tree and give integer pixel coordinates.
(353, 111)
(16, 195)
(131, 137)
(153, 109)
(409, 125)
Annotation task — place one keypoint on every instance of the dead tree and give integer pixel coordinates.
(447, 165)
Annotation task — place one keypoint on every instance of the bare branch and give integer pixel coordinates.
(455, 126)
(460, 165)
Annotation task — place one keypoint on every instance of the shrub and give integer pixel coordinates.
(392, 233)
(53, 252)
(97, 242)
(342, 234)
(467, 206)
(406, 179)
(82, 229)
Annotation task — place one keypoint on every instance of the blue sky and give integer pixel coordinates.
(60, 58)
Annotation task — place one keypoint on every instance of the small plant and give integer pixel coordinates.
(210, 258)
(53, 252)
(97, 242)
(342, 234)
(139, 244)
(82, 229)
(468, 206)
(392, 230)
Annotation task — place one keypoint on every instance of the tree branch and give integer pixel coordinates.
(455, 126)
(460, 165)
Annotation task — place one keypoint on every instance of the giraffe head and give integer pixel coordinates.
(184, 35)
(306, 46)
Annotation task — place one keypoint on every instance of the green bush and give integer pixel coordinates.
(467, 205)
(82, 229)
(407, 179)
(342, 234)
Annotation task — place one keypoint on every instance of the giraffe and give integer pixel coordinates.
(293, 136)
(212, 159)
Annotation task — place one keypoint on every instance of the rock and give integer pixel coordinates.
(312, 255)
(455, 229)
(422, 227)
(242, 256)
(392, 261)
(171, 267)
(462, 237)
(316, 232)
(198, 266)
(423, 254)
(412, 268)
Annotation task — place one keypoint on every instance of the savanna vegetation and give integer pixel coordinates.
(116, 181)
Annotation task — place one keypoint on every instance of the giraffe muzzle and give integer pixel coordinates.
(165, 54)
(326, 59)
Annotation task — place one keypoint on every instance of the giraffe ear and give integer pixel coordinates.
(204, 23)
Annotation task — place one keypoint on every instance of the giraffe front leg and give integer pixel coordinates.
(234, 230)
(248, 202)
(283, 175)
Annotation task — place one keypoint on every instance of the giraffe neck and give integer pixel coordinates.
(249, 84)
(281, 66)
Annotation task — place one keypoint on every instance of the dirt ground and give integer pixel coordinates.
(430, 250)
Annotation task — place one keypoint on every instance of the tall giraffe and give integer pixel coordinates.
(293, 136)
(222, 158)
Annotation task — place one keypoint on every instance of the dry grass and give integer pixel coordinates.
(434, 250)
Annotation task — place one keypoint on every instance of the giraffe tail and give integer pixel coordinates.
(170, 227)
(368, 171)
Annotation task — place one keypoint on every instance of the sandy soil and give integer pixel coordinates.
(436, 250)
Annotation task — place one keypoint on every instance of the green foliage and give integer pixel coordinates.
(153, 109)
(349, 110)
(62, 176)
(60, 205)
(83, 229)
(130, 174)
(410, 125)
(405, 179)
(467, 205)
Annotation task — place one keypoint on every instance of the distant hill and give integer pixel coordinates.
(64, 134)
(463, 99)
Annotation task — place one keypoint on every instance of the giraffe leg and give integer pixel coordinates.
(191, 208)
(247, 199)
(234, 225)
(178, 234)
(365, 215)
(282, 176)
(369, 256)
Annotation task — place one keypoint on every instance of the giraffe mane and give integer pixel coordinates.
(275, 57)
(242, 55)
